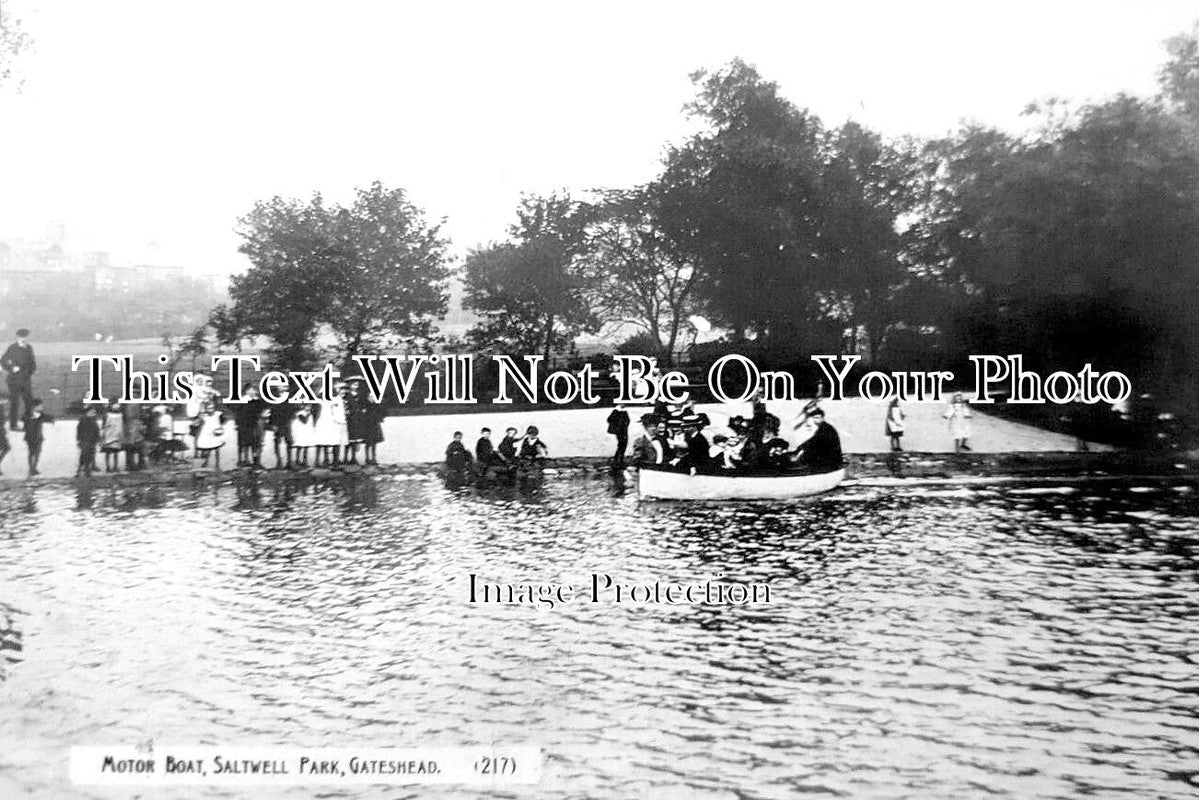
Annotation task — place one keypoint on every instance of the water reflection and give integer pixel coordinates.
(1031, 641)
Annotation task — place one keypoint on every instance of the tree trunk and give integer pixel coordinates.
(549, 335)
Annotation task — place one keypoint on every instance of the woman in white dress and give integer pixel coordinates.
(959, 422)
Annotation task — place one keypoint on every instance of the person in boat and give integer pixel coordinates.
(773, 454)
(485, 452)
(696, 455)
(757, 416)
(821, 453)
(532, 450)
(648, 450)
(508, 446)
(618, 426)
(457, 457)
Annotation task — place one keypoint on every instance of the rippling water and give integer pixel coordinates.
(923, 642)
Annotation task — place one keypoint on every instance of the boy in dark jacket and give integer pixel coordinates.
(34, 437)
(87, 436)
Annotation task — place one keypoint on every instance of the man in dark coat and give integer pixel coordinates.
(698, 455)
(821, 453)
(19, 364)
(618, 426)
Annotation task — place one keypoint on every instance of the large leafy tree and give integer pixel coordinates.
(866, 185)
(392, 280)
(640, 277)
(373, 275)
(1078, 244)
(741, 202)
(532, 291)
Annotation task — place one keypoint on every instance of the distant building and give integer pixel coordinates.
(72, 266)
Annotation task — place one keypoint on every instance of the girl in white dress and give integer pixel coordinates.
(210, 435)
(331, 431)
(303, 435)
(959, 422)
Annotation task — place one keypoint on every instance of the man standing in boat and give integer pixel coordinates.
(822, 452)
(698, 455)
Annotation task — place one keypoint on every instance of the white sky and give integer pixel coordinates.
(165, 120)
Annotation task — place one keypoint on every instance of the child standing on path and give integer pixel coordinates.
(34, 436)
(87, 436)
(959, 422)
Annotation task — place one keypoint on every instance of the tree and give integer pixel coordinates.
(741, 202)
(1077, 245)
(284, 296)
(638, 276)
(865, 187)
(393, 281)
(531, 291)
(1179, 76)
(373, 275)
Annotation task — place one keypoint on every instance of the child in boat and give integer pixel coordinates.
(508, 447)
(532, 450)
(726, 451)
(112, 437)
(457, 457)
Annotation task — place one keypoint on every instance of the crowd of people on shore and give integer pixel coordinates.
(329, 433)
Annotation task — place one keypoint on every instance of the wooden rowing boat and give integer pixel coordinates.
(664, 485)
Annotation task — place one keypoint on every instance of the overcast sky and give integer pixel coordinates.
(164, 120)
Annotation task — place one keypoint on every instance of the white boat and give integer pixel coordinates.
(665, 485)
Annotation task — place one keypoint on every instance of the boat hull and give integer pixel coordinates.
(661, 485)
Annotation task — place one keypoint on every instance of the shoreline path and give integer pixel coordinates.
(583, 432)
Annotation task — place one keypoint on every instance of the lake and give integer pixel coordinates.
(1027, 641)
